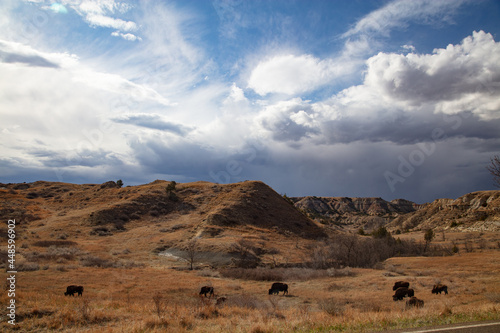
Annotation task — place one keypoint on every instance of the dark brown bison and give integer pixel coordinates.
(71, 290)
(207, 290)
(402, 292)
(438, 288)
(221, 300)
(277, 287)
(400, 284)
(414, 302)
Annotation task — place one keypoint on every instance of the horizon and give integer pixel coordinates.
(124, 185)
(392, 99)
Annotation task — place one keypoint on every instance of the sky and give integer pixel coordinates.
(391, 99)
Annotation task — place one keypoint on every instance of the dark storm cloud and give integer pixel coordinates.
(159, 156)
(411, 128)
(153, 121)
(84, 158)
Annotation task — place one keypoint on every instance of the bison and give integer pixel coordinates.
(221, 300)
(414, 302)
(400, 284)
(207, 290)
(438, 288)
(71, 290)
(277, 287)
(402, 292)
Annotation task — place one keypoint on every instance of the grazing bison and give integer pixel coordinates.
(400, 284)
(438, 288)
(402, 292)
(221, 300)
(207, 290)
(71, 290)
(277, 287)
(414, 302)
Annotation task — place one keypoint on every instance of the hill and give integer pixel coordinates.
(148, 219)
(477, 211)
(354, 213)
(129, 246)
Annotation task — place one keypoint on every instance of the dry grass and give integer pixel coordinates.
(130, 288)
(155, 299)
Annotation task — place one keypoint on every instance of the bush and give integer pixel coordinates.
(273, 274)
(28, 267)
(47, 243)
(94, 261)
(333, 307)
(340, 272)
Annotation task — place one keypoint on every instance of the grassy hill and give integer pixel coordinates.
(147, 219)
(130, 248)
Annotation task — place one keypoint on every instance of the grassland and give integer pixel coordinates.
(110, 240)
(157, 298)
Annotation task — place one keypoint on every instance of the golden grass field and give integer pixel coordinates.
(157, 298)
(130, 288)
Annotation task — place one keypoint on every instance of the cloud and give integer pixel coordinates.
(400, 13)
(109, 22)
(153, 121)
(58, 8)
(289, 121)
(99, 13)
(17, 54)
(127, 36)
(12, 52)
(464, 77)
(403, 98)
(290, 74)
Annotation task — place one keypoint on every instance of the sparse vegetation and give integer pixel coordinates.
(338, 280)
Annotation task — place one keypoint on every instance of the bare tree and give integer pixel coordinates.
(158, 303)
(428, 237)
(494, 169)
(191, 252)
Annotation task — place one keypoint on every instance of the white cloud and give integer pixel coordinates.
(464, 77)
(127, 36)
(109, 22)
(399, 13)
(402, 94)
(290, 74)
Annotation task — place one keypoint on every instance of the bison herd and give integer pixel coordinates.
(402, 289)
(275, 289)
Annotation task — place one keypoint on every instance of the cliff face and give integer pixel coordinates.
(476, 211)
(368, 213)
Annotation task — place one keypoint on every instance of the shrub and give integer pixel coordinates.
(47, 243)
(93, 261)
(245, 301)
(340, 272)
(273, 274)
(28, 267)
(333, 307)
